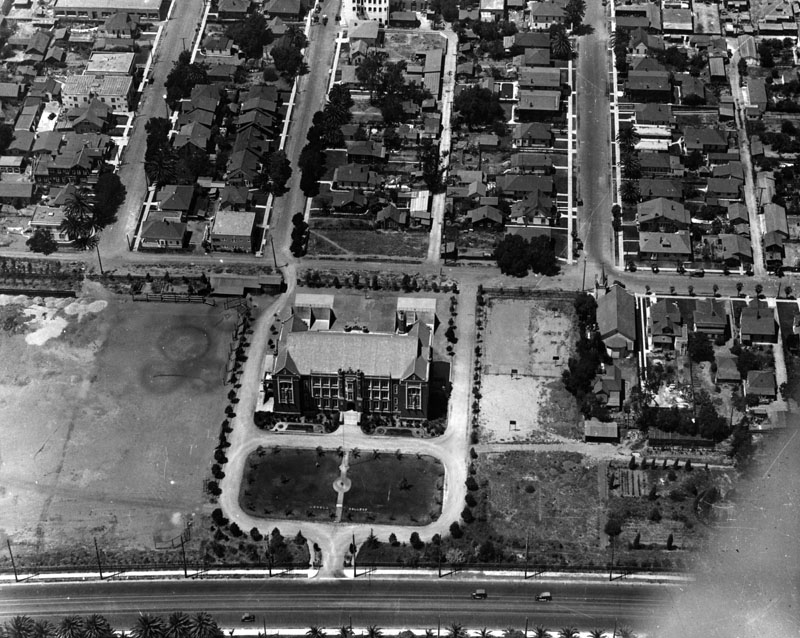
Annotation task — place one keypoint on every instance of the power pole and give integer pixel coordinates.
(527, 537)
(354, 543)
(97, 554)
(13, 564)
(183, 553)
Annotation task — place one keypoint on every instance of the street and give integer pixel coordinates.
(386, 603)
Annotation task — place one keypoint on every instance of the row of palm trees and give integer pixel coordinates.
(177, 625)
(82, 221)
(203, 625)
(456, 630)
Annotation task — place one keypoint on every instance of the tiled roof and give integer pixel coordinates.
(616, 313)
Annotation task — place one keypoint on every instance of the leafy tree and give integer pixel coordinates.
(613, 526)
(183, 77)
(448, 9)
(700, 347)
(513, 256)
(455, 530)
(586, 309)
(478, 106)
(6, 137)
(42, 241)
(655, 515)
(432, 168)
(276, 173)
(109, 195)
(574, 12)
(370, 72)
(416, 541)
(251, 34)
(693, 160)
(289, 61)
(670, 542)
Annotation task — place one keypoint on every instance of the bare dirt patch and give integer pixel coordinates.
(121, 410)
(406, 46)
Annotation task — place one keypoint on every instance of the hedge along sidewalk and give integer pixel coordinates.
(389, 574)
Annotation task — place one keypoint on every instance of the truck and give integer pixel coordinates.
(324, 19)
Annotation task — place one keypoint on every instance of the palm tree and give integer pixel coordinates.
(70, 627)
(672, 290)
(787, 290)
(715, 289)
(627, 138)
(149, 626)
(568, 632)
(629, 191)
(80, 203)
(484, 633)
(315, 632)
(97, 626)
(560, 44)
(20, 627)
(203, 625)
(373, 631)
(44, 629)
(739, 286)
(355, 453)
(345, 632)
(80, 223)
(456, 631)
(691, 291)
(596, 633)
(759, 289)
(179, 625)
(162, 167)
(625, 632)
(539, 632)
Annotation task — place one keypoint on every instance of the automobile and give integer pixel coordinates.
(698, 273)
(479, 594)
(318, 8)
(338, 17)
(248, 618)
(324, 19)
(545, 596)
(654, 268)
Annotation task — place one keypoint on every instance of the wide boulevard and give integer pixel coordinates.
(362, 602)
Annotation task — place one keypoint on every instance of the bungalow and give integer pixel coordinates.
(734, 250)
(349, 202)
(163, 235)
(544, 79)
(723, 189)
(234, 197)
(355, 176)
(641, 42)
(653, 113)
(706, 140)
(178, 199)
(366, 152)
(649, 86)
(232, 231)
(486, 217)
(660, 164)
(391, 218)
(665, 246)
(288, 10)
(662, 215)
(233, 9)
(616, 321)
(533, 134)
(518, 186)
(727, 370)
(775, 219)
(369, 31)
(536, 209)
(608, 388)
(761, 384)
(192, 136)
(666, 324)
(738, 216)
(543, 15)
(16, 194)
(757, 324)
(217, 46)
(535, 163)
(660, 188)
(532, 40)
(710, 317)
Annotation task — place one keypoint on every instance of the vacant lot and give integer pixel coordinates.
(121, 404)
(552, 498)
(377, 243)
(406, 46)
(290, 483)
(403, 489)
(526, 348)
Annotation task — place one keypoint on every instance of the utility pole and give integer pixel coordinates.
(274, 258)
(353, 546)
(13, 564)
(527, 538)
(183, 553)
(583, 283)
(611, 567)
(97, 554)
(526, 627)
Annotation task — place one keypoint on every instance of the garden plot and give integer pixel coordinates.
(527, 347)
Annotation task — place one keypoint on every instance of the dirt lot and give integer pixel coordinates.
(527, 346)
(706, 18)
(405, 46)
(378, 243)
(121, 404)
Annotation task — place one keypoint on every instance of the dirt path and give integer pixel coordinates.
(600, 451)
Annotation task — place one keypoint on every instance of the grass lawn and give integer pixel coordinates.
(369, 242)
(289, 483)
(379, 494)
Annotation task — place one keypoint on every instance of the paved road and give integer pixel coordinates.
(398, 603)
(178, 31)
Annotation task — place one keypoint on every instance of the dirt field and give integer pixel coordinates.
(120, 405)
(405, 46)
(361, 243)
(527, 346)
(706, 18)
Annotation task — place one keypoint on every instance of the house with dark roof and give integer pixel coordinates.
(761, 384)
(649, 86)
(390, 217)
(609, 388)
(518, 186)
(365, 152)
(655, 188)
(234, 197)
(355, 176)
(158, 234)
(119, 25)
(533, 163)
(177, 198)
(94, 117)
(733, 250)
(665, 324)
(757, 324)
(18, 194)
(738, 216)
(233, 9)
(349, 202)
(727, 370)
(706, 140)
(486, 217)
(532, 134)
(596, 431)
(616, 321)
(710, 317)
(654, 113)
(662, 215)
(324, 362)
(538, 106)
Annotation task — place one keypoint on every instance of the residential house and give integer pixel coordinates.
(539, 106)
(369, 31)
(288, 10)
(757, 324)
(192, 136)
(738, 216)
(518, 186)
(662, 215)
(534, 163)
(162, 235)
(232, 231)
(234, 197)
(319, 367)
(543, 15)
(595, 431)
(116, 91)
(733, 250)
(660, 164)
(177, 199)
(727, 370)
(655, 114)
(403, 20)
(642, 42)
(532, 135)
(775, 219)
(673, 247)
(50, 218)
(217, 46)
(649, 86)
(486, 217)
(234, 9)
(365, 152)
(761, 384)
(492, 10)
(535, 209)
(12, 164)
(11, 93)
(17, 194)
(706, 140)
(349, 202)
(660, 188)
(666, 324)
(616, 321)
(390, 217)
(101, 10)
(119, 25)
(93, 117)
(355, 176)
(710, 317)
(540, 78)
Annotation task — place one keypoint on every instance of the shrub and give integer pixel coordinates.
(393, 540)
(470, 500)
(467, 515)
(255, 534)
(236, 531)
(655, 515)
(455, 530)
(472, 484)
(416, 542)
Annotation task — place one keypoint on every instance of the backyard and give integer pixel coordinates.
(121, 403)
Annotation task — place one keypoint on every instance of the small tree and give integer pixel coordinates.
(655, 515)
(455, 530)
(467, 515)
(415, 541)
(637, 541)
(393, 540)
(256, 535)
(670, 542)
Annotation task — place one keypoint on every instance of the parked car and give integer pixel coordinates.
(698, 273)
(324, 19)
(545, 596)
(479, 594)
(248, 618)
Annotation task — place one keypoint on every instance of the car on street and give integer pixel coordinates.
(248, 618)
(479, 594)
(545, 596)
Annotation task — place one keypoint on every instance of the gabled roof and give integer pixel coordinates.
(616, 314)
(390, 212)
(761, 382)
(758, 319)
(367, 30)
(666, 243)
(339, 199)
(533, 130)
(736, 246)
(665, 318)
(661, 208)
(234, 196)
(486, 212)
(176, 197)
(710, 313)
(153, 230)
(652, 188)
